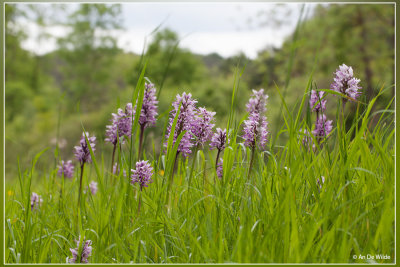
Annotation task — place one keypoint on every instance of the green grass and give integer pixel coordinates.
(277, 215)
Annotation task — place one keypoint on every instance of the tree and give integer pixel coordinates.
(88, 52)
(263, 71)
(167, 62)
(14, 35)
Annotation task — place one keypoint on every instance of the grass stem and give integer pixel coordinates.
(251, 163)
(112, 158)
(141, 141)
(80, 186)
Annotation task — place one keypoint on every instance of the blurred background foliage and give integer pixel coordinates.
(89, 71)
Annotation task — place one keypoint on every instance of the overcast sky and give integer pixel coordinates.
(225, 28)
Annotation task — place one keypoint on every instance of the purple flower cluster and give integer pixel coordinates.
(93, 187)
(36, 201)
(112, 133)
(202, 126)
(307, 140)
(86, 251)
(320, 184)
(142, 174)
(323, 127)
(121, 125)
(121, 122)
(149, 106)
(258, 103)
(82, 152)
(220, 172)
(255, 130)
(317, 103)
(116, 170)
(219, 140)
(184, 122)
(344, 82)
(66, 168)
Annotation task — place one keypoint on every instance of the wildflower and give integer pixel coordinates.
(66, 168)
(148, 112)
(112, 133)
(322, 127)
(36, 201)
(184, 122)
(255, 131)
(344, 82)
(86, 251)
(219, 140)
(307, 140)
(142, 174)
(320, 184)
(317, 97)
(60, 142)
(82, 152)
(220, 169)
(149, 107)
(93, 187)
(202, 126)
(124, 121)
(258, 103)
(121, 125)
(116, 170)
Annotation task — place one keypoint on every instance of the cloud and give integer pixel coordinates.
(205, 27)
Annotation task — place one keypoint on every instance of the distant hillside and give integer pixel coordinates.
(42, 89)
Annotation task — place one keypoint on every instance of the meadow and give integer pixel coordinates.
(312, 198)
